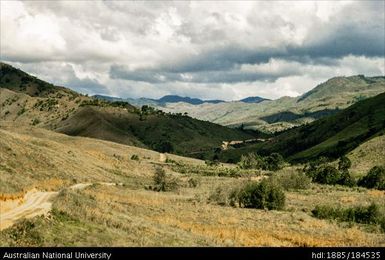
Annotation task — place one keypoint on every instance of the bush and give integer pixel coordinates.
(263, 195)
(135, 157)
(375, 179)
(212, 163)
(327, 174)
(293, 181)
(163, 147)
(35, 121)
(360, 214)
(220, 196)
(273, 162)
(251, 161)
(193, 182)
(162, 182)
(344, 164)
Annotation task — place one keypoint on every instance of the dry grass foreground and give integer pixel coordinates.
(130, 215)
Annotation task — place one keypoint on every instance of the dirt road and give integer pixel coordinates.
(35, 203)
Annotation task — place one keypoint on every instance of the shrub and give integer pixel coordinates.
(344, 164)
(162, 182)
(212, 163)
(327, 174)
(35, 121)
(293, 181)
(135, 157)
(273, 162)
(375, 179)
(193, 182)
(263, 195)
(220, 196)
(360, 214)
(21, 111)
(251, 161)
(163, 147)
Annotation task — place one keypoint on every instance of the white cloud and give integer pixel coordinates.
(213, 49)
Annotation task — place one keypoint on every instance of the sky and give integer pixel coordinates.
(207, 49)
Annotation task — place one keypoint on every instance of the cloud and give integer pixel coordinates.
(205, 49)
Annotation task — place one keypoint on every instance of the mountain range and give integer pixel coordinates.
(170, 99)
(276, 115)
(346, 111)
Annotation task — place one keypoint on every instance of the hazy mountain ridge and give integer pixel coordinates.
(328, 97)
(171, 99)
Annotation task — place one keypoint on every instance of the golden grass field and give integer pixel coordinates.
(132, 215)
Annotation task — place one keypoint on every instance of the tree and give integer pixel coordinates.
(344, 163)
(375, 179)
(327, 175)
(261, 195)
(164, 146)
(274, 162)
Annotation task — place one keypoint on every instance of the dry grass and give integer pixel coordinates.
(130, 215)
(368, 155)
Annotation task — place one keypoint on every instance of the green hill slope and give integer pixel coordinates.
(330, 136)
(157, 130)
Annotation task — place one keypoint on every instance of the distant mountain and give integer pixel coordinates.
(353, 85)
(172, 99)
(253, 100)
(276, 115)
(193, 101)
(161, 101)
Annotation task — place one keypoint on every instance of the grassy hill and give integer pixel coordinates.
(25, 99)
(19, 81)
(330, 136)
(367, 155)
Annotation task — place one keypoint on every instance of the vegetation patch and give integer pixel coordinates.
(375, 179)
(292, 180)
(321, 172)
(273, 162)
(164, 182)
(371, 214)
(265, 194)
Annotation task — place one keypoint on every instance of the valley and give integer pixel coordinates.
(83, 171)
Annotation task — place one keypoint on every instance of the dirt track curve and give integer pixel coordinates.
(35, 203)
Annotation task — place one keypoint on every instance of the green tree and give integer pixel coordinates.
(344, 163)
(375, 179)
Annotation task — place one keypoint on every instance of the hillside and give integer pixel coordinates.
(286, 112)
(157, 130)
(130, 214)
(330, 136)
(367, 155)
(21, 82)
(66, 111)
